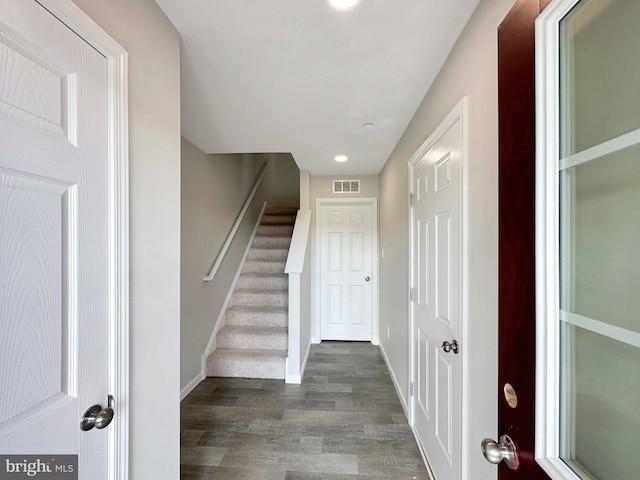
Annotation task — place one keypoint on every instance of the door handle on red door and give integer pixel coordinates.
(504, 451)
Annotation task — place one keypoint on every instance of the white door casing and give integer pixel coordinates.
(63, 235)
(436, 306)
(347, 242)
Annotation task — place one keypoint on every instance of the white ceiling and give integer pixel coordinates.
(296, 76)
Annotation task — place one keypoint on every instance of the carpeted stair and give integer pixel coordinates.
(253, 342)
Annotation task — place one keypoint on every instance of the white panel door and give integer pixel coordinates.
(346, 271)
(54, 243)
(436, 215)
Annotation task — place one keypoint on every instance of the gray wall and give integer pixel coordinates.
(214, 188)
(322, 187)
(471, 70)
(283, 181)
(154, 129)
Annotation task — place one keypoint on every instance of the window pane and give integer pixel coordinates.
(600, 59)
(601, 239)
(601, 418)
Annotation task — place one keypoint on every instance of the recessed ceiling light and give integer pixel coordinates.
(341, 158)
(344, 4)
(368, 126)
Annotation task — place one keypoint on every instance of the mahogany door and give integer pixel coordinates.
(516, 372)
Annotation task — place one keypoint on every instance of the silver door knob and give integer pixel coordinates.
(505, 451)
(97, 417)
(367, 279)
(453, 346)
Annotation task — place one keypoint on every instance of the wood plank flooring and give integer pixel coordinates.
(344, 422)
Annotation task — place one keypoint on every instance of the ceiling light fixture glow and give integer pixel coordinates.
(368, 126)
(341, 158)
(343, 5)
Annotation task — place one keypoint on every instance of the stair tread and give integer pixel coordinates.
(270, 291)
(254, 309)
(252, 330)
(263, 274)
(245, 352)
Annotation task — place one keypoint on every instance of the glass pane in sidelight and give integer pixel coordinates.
(600, 416)
(600, 239)
(600, 73)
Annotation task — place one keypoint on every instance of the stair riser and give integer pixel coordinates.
(278, 220)
(260, 299)
(251, 266)
(254, 342)
(272, 242)
(270, 369)
(275, 230)
(276, 282)
(281, 211)
(242, 318)
(274, 254)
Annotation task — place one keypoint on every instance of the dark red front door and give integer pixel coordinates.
(516, 93)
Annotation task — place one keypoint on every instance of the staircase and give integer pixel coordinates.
(253, 342)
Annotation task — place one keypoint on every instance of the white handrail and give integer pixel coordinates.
(236, 225)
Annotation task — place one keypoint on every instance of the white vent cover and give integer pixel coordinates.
(346, 186)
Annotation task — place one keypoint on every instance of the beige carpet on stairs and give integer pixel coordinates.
(253, 342)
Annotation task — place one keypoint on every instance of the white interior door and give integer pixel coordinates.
(54, 238)
(436, 270)
(346, 270)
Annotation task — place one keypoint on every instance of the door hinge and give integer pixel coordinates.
(412, 199)
(412, 294)
(411, 389)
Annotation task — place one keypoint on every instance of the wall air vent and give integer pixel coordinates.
(346, 186)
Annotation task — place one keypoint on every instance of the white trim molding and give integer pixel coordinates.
(118, 143)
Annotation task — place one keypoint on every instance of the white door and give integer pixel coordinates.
(436, 271)
(346, 270)
(54, 238)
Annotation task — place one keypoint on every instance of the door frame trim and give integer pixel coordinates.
(457, 113)
(118, 158)
(373, 202)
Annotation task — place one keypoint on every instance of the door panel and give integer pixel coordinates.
(54, 237)
(517, 332)
(436, 310)
(346, 271)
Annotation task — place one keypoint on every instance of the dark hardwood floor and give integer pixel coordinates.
(344, 422)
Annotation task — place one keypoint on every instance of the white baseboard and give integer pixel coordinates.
(296, 379)
(191, 385)
(304, 361)
(424, 456)
(403, 400)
